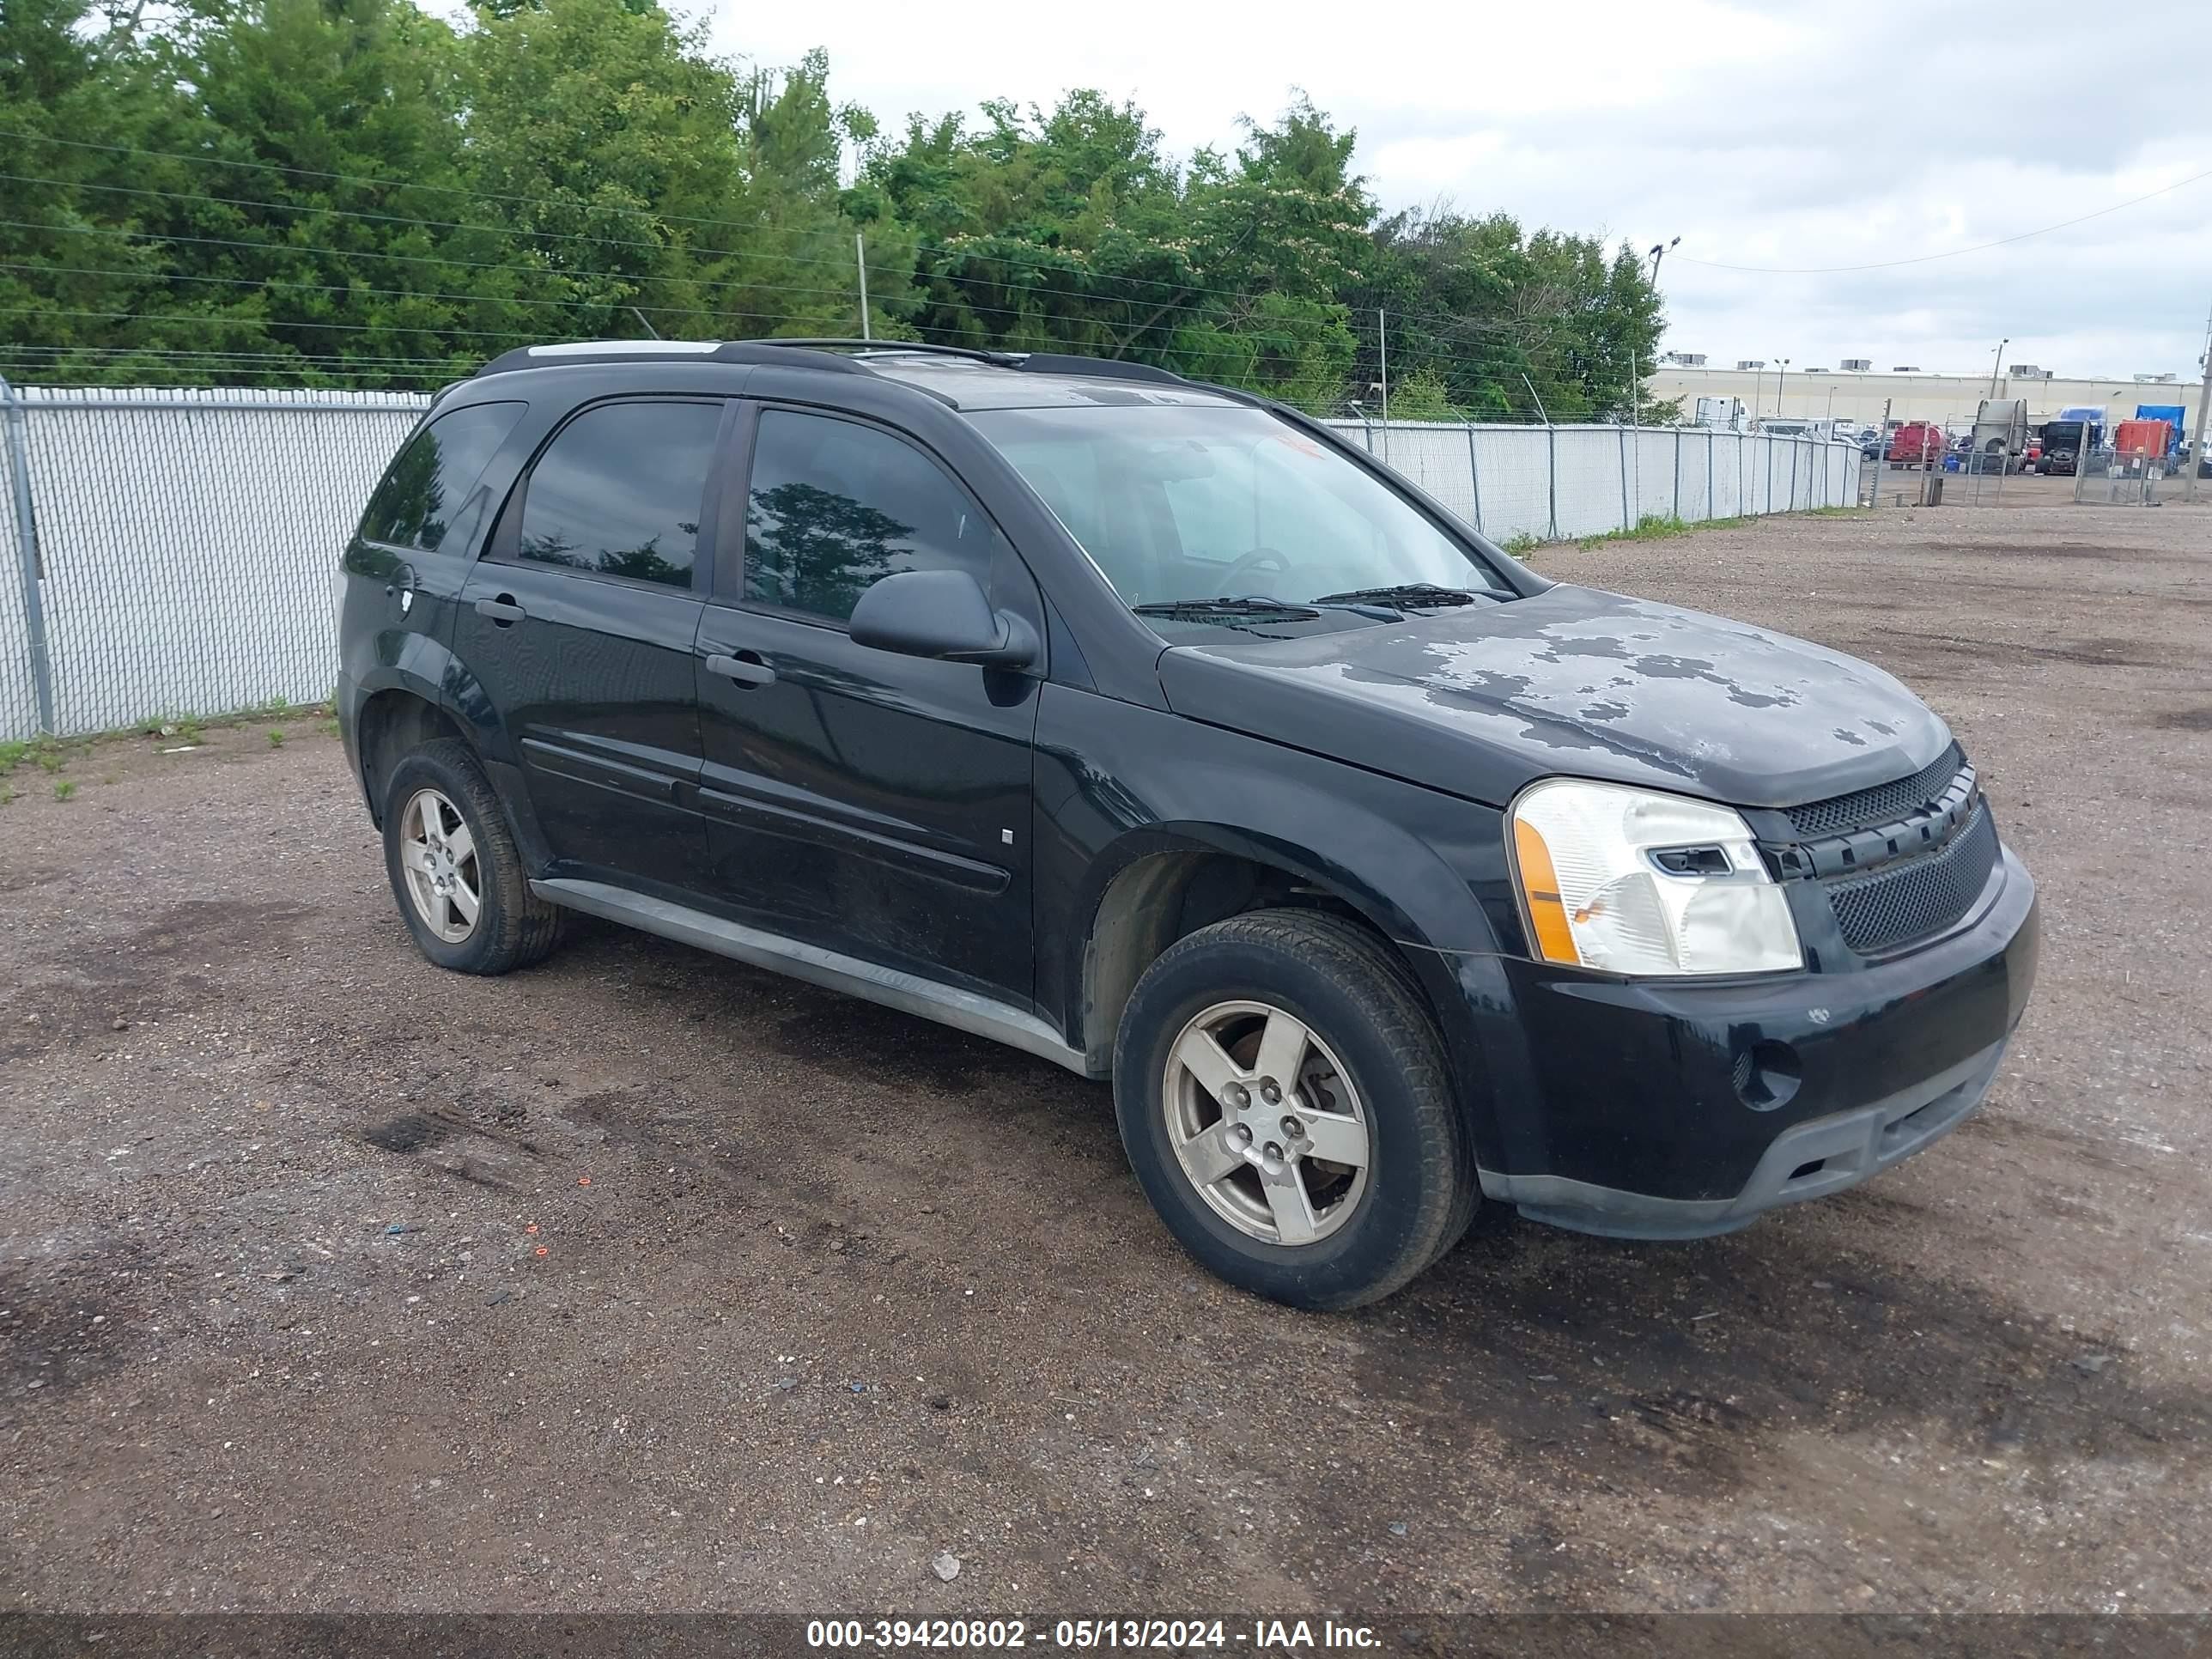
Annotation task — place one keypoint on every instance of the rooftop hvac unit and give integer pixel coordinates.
(1751, 363)
(2155, 380)
(1812, 371)
(1905, 368)
(2029, 372)
(1690, 359)
(1858, 365)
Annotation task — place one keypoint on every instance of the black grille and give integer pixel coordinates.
(1918, 896)
(1885, 803)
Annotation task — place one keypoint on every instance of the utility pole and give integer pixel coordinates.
(1636, 417)
(861, 260)
(1995, 366)
(2198, 453)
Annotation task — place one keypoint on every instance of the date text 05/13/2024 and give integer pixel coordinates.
(1258, 1636)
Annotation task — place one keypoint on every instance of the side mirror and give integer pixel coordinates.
(943, 614)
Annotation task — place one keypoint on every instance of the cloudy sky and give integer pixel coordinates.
(1778, 136)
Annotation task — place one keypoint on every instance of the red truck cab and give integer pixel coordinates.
(1916, 443)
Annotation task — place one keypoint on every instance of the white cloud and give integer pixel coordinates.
(1814, 134)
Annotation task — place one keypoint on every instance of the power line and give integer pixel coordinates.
(839, 292)
(663, 247)
(1978, 247)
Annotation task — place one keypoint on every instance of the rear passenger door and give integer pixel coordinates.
(579, 624)
(872, 804)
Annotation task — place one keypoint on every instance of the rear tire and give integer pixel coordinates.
(455, 869)
(1237, 1157)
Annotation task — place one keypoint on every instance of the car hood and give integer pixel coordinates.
(1574, 681)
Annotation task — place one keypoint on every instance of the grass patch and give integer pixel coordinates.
(65, 788)
(55, 755)
(1659, 527)
(1522, 545)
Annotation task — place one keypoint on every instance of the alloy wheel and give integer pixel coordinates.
(1266, 1123)
(438, 857)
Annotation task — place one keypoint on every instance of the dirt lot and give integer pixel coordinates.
(308, 1303)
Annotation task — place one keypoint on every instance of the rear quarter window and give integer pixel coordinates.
(416, 503)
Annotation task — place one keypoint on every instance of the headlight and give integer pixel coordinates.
(1629, 881)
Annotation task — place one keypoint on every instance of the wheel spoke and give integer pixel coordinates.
(462, 900)
(1287, 1202)
(1339, 1139)
(426, 809)
(414, 856)
(1204, 1059)
(460, 843)
(1208, 1157)
(1282, 1050)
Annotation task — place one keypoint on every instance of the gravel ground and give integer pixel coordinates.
(642, 1280)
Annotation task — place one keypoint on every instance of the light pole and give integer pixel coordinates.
(1782, 368)
(1998, 364)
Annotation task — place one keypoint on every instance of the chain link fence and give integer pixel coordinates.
(1561, 483)
(175, 547)
(169, 552)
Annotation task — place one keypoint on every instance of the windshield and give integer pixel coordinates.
(1177, 502)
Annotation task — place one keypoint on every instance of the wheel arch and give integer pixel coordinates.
(1160, 883)
(393, 718)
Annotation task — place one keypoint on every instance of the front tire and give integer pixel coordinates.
(1284, 1102)
(455, 869)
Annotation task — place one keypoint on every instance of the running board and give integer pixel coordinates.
(963, 1010)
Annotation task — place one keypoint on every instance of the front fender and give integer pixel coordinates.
(1117, 784)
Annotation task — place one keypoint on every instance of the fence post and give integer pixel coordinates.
(1713, 507)
(1678, 475)
(1626, 523)
(1552, 477)
(1473, 475)
(1769, 475)
(1796, 444)
(32, 569)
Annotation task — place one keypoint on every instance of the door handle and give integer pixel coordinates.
(746, 668)
(503, 610)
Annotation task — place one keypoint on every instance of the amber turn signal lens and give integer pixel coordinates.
(1540, 885)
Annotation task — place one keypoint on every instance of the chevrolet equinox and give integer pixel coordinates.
(1151, 727)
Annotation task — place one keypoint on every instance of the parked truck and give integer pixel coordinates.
(2000, 437)
(1916, 443)
(2172, 414)
(2077, 431)
(1723, 414)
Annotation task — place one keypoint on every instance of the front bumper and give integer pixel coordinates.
(1674, 1109)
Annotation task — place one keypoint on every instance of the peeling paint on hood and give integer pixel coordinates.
(1575, 681)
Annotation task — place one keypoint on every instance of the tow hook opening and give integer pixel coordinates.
(1766, 1075)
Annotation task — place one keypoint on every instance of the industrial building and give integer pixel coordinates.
(1854, 389)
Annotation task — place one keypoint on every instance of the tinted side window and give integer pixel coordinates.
(433, 475)
(618, 492)
(835, 505)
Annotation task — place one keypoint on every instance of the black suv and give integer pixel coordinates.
(1150, 727)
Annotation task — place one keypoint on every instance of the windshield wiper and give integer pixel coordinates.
(1414, 595)
(1252, 605)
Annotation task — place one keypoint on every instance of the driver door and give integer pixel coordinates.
(868, 803)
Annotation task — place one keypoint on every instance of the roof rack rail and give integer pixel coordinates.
(793, 353)
(1110, 368)
(999, 359)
